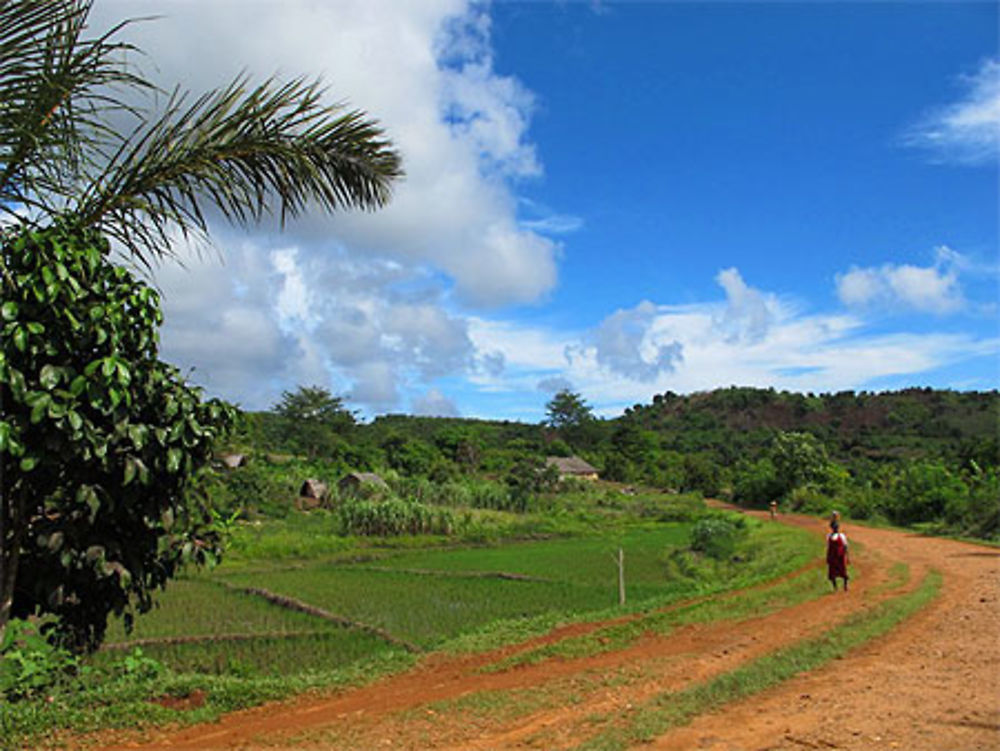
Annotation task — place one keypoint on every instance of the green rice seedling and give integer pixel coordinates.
(200, 607)
(421, 609)
(265, 655)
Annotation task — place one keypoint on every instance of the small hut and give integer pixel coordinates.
(232, 461)
(314, 490)
(572, 466)
(355, 483)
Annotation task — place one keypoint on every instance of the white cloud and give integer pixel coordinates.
(748, 314)
(554, 385)
(967, 131)
(362, 302)
(926, 289)
(434, 404)
(623, 344)
(776, 345)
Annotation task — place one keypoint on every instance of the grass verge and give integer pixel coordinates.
(670, 710)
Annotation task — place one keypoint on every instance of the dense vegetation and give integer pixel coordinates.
(913, 457)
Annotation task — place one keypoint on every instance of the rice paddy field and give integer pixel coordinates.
(372, 603)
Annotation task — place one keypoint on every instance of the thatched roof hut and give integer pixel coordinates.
(572, 466)
(314, 489)
(355, 482)
(232, 461)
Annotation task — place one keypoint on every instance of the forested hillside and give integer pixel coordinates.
(918, 456)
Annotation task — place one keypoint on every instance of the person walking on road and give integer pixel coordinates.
(836, 555)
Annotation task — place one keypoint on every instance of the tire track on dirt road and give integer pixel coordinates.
(932, 684)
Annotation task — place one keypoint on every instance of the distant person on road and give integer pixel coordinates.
(774, 509)
(836, 555)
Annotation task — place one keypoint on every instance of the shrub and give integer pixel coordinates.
(718, 536)
(757, 484)
(809, 499)
(31, 664)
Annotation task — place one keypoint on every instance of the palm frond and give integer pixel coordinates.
(241, 149)
(57, 91)
(238, 149)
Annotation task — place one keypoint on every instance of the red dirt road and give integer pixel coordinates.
(932, 684)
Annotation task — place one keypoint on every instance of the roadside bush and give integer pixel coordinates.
(30, 664)
(809, 499)
(718, 536)
(257, 489)
(861, 502)
(926, 492)
(757, 484)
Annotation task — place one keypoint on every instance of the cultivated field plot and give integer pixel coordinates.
(201, 607)
(200, 626)
(428, 597)
(907, 659)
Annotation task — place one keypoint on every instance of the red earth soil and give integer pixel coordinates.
(932, 684)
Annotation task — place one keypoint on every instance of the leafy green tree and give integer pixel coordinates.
(312, 419)
(407, 455)
(798, 459)
(100, 441)
(757, 484)
(567, 409)
(702, 474)
(927, 491)
(528, 477)
(569, 414)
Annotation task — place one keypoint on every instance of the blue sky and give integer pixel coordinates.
(621, 198)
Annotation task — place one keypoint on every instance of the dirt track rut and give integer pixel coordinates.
(933, 684)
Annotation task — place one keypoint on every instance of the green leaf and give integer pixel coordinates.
(49, 376)
(130, 471)
(39, 409)
(173, 459)
(20, 338)
(124, 376)
(77, 386)
(28, 463)
(88, 496)
(137, 433)
(8, 310)
(75, 421)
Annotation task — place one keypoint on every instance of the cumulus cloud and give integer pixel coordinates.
(623, 344)
(926, 289)
(554, 385)
(748, 314)
(775, 344)
(363, 302)
(966, 131)
(434, 404)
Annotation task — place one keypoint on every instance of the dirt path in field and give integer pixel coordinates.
(933, 683)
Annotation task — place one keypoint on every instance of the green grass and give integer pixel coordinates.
(98, 702)
(280, 652)
(290, 655)
(672, 709)
(199, 607)
(770, 542)
(421, 609)
(585, 561)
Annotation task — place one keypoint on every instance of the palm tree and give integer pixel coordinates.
(242, 149)
(67, 162)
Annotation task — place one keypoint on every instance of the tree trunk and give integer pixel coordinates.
(12, 529)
